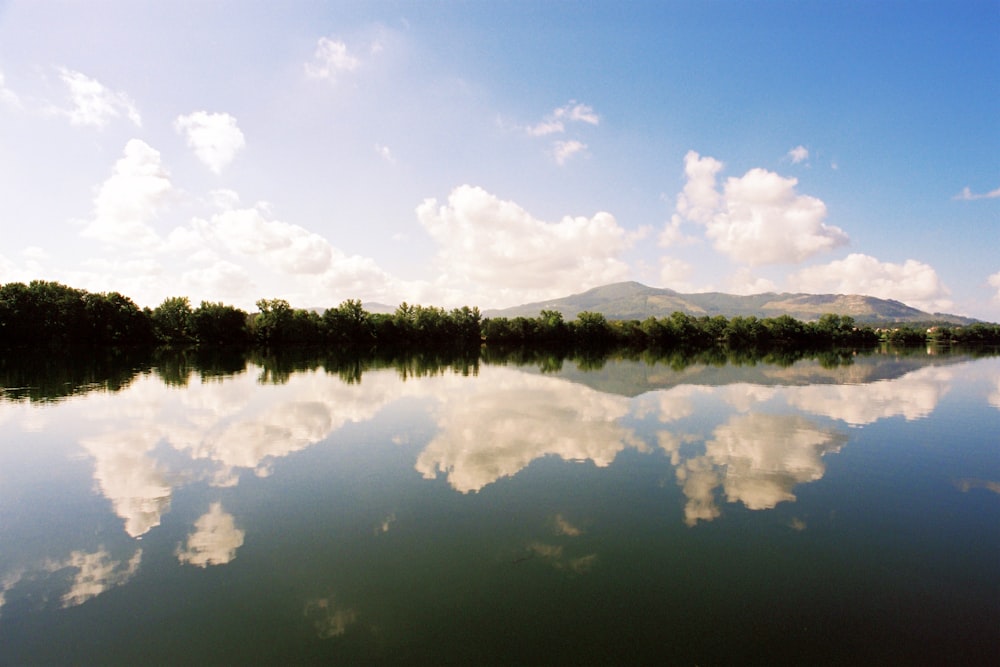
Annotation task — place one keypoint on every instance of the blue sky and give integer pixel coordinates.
(473, 153)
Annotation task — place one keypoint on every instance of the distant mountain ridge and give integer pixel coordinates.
(635, 301)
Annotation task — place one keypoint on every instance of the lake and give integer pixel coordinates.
(833, 510)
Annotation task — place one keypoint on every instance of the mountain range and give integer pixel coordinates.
(635, 301)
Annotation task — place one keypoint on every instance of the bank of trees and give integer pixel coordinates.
(50, 314)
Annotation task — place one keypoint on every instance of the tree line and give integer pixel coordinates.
(45, 313)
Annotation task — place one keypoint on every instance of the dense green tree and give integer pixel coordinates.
(218, 324)
(349, 324)
(271, 325)
(592, 329)
(172, 320)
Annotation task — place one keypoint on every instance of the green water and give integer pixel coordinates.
(498, 514)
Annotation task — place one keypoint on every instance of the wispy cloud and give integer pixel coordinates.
(555, 122)
(564, 150)
(385, 153)
(95, 104)
(331, 59)
(7, 96)
(968, 195)
(798, 154)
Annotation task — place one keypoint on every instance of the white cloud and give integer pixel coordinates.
(385, 153)
(330, 59)
(221, 279)
(744, 282)
(497, 245)
(564, 150)
(672, 234)
(967, 195)
(214, 137)
(674, 274)
(546, 127)
(93, 103)
(8, 96)
(214, 541)
(283, 246)
(129, 199)
(914, 283)
(555, 122)
(356, 277)
(757, 218)
(994, 281)
(798, 154)
(699, 199)
(577, 112)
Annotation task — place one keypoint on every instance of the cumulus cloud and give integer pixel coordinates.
(357, 276)
(674, 274)
(758, 218)
(699, 200)
(283, 246)
(968, 195)
(214, 541)
(798, 154)
(994, 281)
(744, 282)
(671, 235)
(564, 150)
(214, 137)
(330, 60)
(912, 282)
(93, 103)
(129, 199)
(218, 279)
(496, 244)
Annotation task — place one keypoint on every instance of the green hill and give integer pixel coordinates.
(635, 301)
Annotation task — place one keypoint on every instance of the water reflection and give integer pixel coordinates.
(496, 428)
(329, 618)
(214, 541)
(757, 459)
(384, 491)
(913, 396)
(73, 580)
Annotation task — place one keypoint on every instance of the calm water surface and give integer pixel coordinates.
(633, 514)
